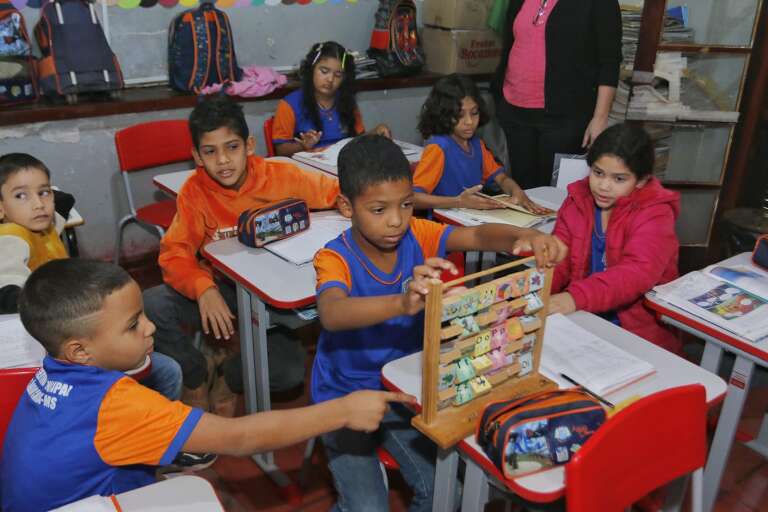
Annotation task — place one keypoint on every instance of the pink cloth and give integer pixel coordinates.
(527, 61)
(256, 81)
(641, 252)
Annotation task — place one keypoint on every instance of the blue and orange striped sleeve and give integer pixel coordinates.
(284, 125)
(137, 425)
(332, 271)
(429, 170)
(431, 236)
(491, 168)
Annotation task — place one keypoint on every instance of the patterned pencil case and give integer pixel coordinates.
(274, 221)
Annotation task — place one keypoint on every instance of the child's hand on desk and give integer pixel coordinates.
(547, 249)
(309, 139)
(413, 299)
(383, 129)
(522, 199)
(365, 409)
(470, 199)
(561, 303)
(215, 314)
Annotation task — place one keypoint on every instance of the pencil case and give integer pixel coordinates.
(274, 221)
(760, 253)
(537, 431)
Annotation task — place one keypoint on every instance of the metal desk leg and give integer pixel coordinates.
(738, 387)
(760, 443)
(445, 480)
(710, 359)
(253, 347)
(475, 494)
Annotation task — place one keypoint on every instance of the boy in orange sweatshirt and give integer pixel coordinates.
(229, 179)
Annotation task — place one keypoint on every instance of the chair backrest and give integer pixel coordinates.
(268, 136)
(650, 443)
(13, 382)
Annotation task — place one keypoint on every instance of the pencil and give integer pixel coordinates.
(587, 391)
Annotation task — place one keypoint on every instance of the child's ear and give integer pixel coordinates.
(344, 205)
(250, 145)
(75, 351)
(643, 181)
(196, 157)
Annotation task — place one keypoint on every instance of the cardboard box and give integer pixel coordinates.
(461, 51)
(465, 14)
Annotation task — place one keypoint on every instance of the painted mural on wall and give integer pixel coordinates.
(221, 4)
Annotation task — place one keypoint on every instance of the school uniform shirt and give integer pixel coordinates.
(22, 252)
(206, 211)
(446, 169)
(350, 360)
(81, 431)
(291, 120)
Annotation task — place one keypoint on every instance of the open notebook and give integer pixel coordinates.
(301, 248)
(327, 158)
(588, 359)
(18, 349)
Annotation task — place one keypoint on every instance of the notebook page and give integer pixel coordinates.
(18, 349)
(301, 248)
(587, 358)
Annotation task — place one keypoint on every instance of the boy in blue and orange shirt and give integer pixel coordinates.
(371, 283)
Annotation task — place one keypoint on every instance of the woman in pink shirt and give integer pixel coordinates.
(556, 80)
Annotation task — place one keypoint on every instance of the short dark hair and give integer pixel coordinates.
(346, 104)
(213, 112)
(12, 163)
(61, 293)
(368, 160)
(630, 143)
(441, 110)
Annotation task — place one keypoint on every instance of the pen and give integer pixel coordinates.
(587, 390)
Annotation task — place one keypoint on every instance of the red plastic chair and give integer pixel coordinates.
(144, 146)
(650, 443)
(13, 382)
(268, 136)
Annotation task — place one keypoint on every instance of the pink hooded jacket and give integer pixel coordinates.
(641, 252)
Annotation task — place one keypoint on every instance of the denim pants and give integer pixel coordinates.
(177, 318)
(164, 376)
(357, 474)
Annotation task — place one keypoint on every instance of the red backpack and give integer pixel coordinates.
(18, 81)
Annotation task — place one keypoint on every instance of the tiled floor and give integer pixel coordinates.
(241, 486)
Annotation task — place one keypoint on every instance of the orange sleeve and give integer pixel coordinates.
(359, 126)
(284, 125)
(178, 261)
(429, 169)
(318, 189)
(490, 165)
(429, 234)
(137, 425)
(331, 270)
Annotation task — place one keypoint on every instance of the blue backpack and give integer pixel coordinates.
(201, 50)
(17, 69)
(76, 57)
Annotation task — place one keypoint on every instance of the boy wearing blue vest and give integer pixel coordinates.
(371, 283)
(83, 428)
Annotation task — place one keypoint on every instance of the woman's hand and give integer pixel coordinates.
(594, 128)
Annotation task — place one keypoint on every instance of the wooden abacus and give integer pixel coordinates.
(481, 344)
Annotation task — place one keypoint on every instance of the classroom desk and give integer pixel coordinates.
(262, 279)
(312, 157)
(171, 182)
(748, 354)
(404, 374)
(185, 493)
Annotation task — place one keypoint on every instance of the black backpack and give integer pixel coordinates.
(201, 50)
(395, 43)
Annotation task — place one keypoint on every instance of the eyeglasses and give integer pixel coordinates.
(537, 20)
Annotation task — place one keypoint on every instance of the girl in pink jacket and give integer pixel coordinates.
(619, 225)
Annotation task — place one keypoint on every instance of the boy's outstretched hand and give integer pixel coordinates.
(547, 249)
(413, 299)
(365, 409)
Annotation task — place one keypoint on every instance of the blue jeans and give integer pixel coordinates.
(164, 377)
(357, 473)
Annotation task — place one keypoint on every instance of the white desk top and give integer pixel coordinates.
(758, 349)
(275, 280)
(549, 197)
(671, 371)
(185, 493)
(171, 182)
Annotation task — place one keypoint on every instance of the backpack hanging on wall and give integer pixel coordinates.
(395, 43)
(201, 50)
(76, 57)
(17, 67)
